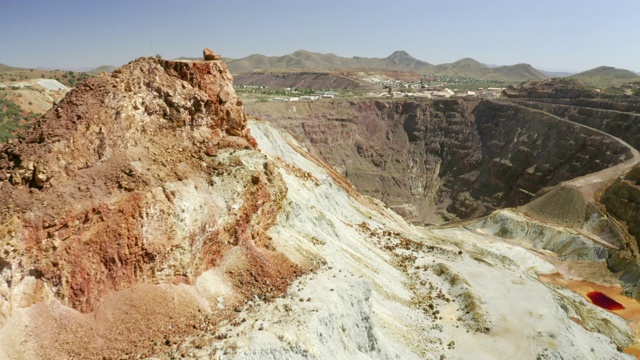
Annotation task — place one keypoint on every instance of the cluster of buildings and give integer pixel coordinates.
(441, 93)
(313, 97)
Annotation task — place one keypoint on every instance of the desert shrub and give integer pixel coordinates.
(10, 119)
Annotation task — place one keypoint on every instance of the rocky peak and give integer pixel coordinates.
(400, 54)
(134, 180)
(112, 112)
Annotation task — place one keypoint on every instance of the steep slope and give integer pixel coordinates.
(127, 210)
(388, 290)
(445, 159)
(21, 102)
(399, 60)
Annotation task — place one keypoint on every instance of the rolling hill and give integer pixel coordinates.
(9, 74)
(103, 68)
(470, 68)
(302, 59)
(517, 72)
(4, 68)
(466, 67)
(607, 76)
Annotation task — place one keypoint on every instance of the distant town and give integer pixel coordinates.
(395, 89)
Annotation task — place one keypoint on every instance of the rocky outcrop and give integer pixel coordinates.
(618, 118)
(209, 55)
(102, 115)
(438, 160)
(132, 193)
(613, 199)
(622, 201)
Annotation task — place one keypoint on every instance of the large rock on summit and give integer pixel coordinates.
(209, 55)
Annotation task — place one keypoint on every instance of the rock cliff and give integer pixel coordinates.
(622, 201)
(133, 182)
(439, 160)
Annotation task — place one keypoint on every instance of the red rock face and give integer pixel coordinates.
(130, 180)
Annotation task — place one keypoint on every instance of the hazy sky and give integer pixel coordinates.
(548, 34)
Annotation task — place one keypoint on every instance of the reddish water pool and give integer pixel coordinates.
(604, 301)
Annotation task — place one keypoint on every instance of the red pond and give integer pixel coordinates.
(604, 301)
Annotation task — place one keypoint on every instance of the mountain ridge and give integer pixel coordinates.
(606, 76)
(398, 60)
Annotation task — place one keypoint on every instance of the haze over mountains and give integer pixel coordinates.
(402, 61)
(399, 60)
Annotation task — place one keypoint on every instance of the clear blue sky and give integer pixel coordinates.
(548, 34)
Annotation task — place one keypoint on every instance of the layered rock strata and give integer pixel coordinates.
(439, 160)
(133, 212)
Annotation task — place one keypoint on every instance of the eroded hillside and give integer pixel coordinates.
(433, 161)
(120, 200)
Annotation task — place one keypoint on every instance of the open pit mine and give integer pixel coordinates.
(146, 215)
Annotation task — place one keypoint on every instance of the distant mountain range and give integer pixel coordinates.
(399, 60)
(302, 59)
(403, 61)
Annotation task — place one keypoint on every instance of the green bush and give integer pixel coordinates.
(10, 119)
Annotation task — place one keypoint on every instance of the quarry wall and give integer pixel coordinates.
(433, 161)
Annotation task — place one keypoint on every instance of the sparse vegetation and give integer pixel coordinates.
(606, 76)
(263, 90)
(66, 77)
(11, 118)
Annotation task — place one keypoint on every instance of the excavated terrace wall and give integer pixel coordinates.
(621, 120)
(433, 161)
